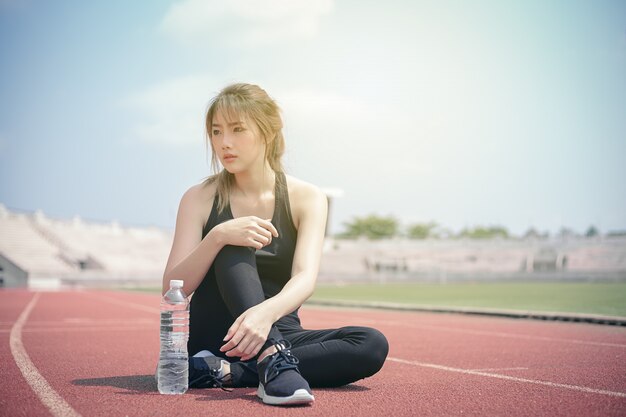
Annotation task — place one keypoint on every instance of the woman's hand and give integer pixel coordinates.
(249, 231)
(248, 333)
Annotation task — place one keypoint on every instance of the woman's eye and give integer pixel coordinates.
(216, 132)
(238, 129)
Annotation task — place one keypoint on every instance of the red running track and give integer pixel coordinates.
(93, 353)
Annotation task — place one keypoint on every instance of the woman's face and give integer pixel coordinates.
(237, 143)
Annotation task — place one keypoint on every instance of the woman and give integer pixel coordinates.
(247, 244)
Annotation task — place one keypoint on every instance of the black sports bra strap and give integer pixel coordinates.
(282, 194)
(282, 206)
(212, 220)
(281, 185)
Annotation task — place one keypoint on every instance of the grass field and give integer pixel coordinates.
(595, 298)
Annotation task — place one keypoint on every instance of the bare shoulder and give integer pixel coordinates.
(302, 190)
(198, 201)
(199, 194)
(305, 198)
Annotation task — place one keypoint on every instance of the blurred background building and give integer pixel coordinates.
(41, 252)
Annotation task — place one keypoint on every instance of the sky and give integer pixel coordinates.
(508, 113)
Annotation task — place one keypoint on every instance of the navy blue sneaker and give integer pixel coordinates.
(280, 382)
(207, 372)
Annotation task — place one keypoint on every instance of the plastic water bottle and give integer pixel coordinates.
(173, 372)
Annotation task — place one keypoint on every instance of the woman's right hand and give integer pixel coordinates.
(250, 231)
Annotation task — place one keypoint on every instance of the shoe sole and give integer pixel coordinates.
(300, 396)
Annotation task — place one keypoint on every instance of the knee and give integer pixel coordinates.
(232, 251)
(375, 350)
(231, 255)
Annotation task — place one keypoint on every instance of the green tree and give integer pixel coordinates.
(533, 233)
(592, 231)
(484, 232)
(372, 227)
(421, 230)
(616, 233)
(566, 232)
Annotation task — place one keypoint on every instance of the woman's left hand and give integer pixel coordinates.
(248, 333)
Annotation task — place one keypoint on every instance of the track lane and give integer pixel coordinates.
(109, 367)
(560, 359)
(16, 396)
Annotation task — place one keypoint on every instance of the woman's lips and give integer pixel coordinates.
(229, 158)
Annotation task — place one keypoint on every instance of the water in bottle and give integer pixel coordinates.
(173, 372)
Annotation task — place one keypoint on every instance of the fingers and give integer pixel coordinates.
(233, 328)
(232, 343)
(263, 239)
(246, 354)
(234, 340)
(260, 230)
(252, 350)
(242, 346)
(250, 231)
(257, 241)
(264, 232)
(267, 225)
(256, 236)
(242, 341)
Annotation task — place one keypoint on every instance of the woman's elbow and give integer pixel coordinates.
(167, 277)
(164, 284)
(310, 289)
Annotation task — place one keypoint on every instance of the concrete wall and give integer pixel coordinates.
(11, 275)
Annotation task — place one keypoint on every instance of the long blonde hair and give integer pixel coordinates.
(254, 104)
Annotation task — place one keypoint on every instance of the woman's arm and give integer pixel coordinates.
(311, 208)
(191, 255)
(249, 331)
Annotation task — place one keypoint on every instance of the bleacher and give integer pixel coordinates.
(441, 260)
(28, 249)
(74, 252)
(56, 252)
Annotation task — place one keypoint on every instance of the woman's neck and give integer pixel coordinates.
(257, 182)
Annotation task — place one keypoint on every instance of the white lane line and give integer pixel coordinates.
(509, 378)
(490, 333)
(499, 369)
(48, 396)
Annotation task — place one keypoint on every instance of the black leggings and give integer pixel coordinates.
(328, 358)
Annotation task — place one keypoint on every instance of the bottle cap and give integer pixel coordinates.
(176, 283)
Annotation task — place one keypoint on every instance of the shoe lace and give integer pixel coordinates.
(280, 361)
(211, 381)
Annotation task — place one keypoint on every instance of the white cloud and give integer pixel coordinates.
(313, 107)
(344, 133)
(244, 22)
(173, 112)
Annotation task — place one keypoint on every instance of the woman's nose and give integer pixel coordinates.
(226, 141)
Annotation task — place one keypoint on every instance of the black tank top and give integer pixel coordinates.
(274, 261)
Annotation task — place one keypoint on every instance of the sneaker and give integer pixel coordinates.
(280, 382)
(201, 354)
(207, 372)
